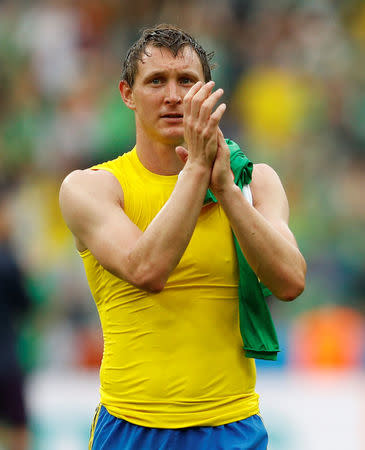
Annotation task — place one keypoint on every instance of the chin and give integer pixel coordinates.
(173, 138)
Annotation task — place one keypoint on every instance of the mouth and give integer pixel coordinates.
(172, 116)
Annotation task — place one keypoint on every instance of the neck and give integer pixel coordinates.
(158, 157)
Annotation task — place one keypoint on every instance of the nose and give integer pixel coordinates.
(173, 94)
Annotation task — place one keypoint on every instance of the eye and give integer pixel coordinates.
(155, 81)
(186, 80)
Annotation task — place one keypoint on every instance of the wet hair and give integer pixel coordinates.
(166, 36)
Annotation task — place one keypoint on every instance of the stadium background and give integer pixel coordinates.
(294, 79)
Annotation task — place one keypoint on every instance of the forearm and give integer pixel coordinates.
(160, 248)
(274, 257)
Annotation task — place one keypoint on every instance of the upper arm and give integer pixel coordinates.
(270, 200)
(91, 204)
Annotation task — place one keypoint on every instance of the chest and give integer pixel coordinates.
(210, 257)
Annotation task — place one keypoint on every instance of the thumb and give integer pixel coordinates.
(221, 140)
(182, 153)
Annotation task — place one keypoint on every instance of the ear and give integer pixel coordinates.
(126, 93)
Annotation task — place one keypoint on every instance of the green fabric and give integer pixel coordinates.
(257, 329)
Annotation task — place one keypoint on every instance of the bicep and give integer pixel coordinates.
(269, 198)
(110, 237)
(91, 207)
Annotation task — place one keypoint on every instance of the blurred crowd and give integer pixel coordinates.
(294, 81)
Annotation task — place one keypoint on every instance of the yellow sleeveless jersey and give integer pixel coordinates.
(173, 359)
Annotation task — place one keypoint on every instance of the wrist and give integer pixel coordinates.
(224, 193)
(196, 169)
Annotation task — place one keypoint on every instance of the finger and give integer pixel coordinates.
(182, 153)
(187, 99)
(208, 105)
(199, 97)
(223, 149)
(211, 130)
(216, 116)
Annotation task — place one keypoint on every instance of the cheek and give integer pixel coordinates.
(144, 109)
(184, 91)
(150, 102)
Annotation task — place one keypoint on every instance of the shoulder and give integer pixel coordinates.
(263, 173)
(84, 193)
(85, 196)
(90, 176)
(89, 182)
(266, 185)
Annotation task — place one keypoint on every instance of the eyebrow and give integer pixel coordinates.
(183, 73)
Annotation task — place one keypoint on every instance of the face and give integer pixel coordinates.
(160, 85)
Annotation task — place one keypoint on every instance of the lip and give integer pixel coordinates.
(172, 113)
(176, 119)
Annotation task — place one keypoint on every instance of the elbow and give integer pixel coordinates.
(293, 286)
(142, 276)
(146, 275)
(292, 292)
(149, 280)
(152, 286)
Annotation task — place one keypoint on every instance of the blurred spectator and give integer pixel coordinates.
(328, 338)
(14, 303)
(50, 31)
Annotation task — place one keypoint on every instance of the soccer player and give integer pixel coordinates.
(161, 262)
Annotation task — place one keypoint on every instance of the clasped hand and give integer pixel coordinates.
(204, 140)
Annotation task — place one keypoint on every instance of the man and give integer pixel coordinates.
(162, 265)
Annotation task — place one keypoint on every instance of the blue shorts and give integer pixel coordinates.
(110, 433)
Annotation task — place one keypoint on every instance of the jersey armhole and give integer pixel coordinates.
(246, 191)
